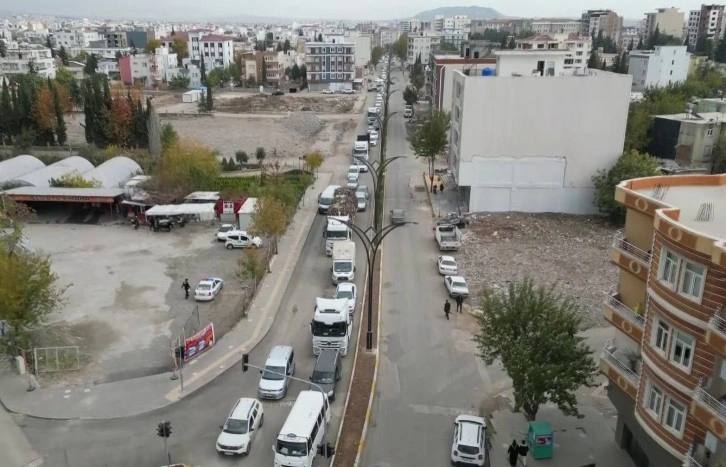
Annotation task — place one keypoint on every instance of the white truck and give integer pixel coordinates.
(343, 268)
(448, 237)
(343, 207)
(331, 325)
(360, 149)
(372, 115)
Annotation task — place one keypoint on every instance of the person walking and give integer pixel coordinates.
(186, 287)
(513, 453)
(523, 451)
(434, 188)
(441, 187)
(447, 309)
(459, 303)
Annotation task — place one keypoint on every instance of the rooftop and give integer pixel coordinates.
(75, 192)
(215, 38)
(702, 118)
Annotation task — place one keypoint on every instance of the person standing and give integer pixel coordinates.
(523, 451)
(186, 287)
(441, 187)
(447, 309)
(513, 453)
(459, 303)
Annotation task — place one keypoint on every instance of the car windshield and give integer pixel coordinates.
(342, 267)
(236, 427)
(448, 262)
(204, 286)
(324, 377)
(471, 450)
(335, 234)
(274, 373)
(226, 228)
(458, 285)
(361, 198)
(325, 201)
(291, 449)
(344, 294)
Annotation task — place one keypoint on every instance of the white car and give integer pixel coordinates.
(348, 91)
(456, 286)
(243, 423)
(241, 239)
(469, 446)
(223, 231)
(208, 288)
(349, 291)
(328, 91)
(353, 171)
(374, 138)
(447, 265)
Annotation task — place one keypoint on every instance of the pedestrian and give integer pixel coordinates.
(186, 287)
(513, 453)
(523, 451)
(434, 189)
(459, 302)
(441, 187)
(447, 309)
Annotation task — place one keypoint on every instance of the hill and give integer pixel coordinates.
(473, 12)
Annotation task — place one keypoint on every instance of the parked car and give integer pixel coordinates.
(398, 216)
(447, 265)
(241, 239)
(223, 230)
(469, 445)
(241, 426)
(348, 91)
(278, 93)
(327, 372)
(328, 91)
(361, 194)
(349, 291)
(456, 286)
(208, 288)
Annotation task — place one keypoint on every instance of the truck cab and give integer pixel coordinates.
(408, 111)
(331, 325)
(343, 268)
(336, 232)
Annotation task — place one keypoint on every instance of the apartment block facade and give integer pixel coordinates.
(668, 21)
(667, 364)
(17, 61)
(711, 22)
(330, 65)
(659, 67)
(556, 26)
(577, 48)
(607, 21)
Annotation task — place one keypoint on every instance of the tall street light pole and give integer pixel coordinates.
(377, 170)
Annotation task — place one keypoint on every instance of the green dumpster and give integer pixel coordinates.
(540, 440)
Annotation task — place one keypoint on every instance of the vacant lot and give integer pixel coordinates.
(569, 251)
(125, 302)
(251, 103)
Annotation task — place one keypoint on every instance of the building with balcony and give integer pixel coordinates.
(76, 38)
(330, 65)
(659, 67)
(688, 139)
(607, 21)
(217, 51)
(149, 69)
(419, 45)
(668, 21)
(525, 140)
(710, 22)
(388, 36)
(666, 367)
(18, 61)
(556, 26)
(512, 26)
(115, 38)
(577, 48)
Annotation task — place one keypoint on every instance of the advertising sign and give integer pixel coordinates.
(199, 342)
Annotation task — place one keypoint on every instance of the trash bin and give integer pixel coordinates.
(540, 440)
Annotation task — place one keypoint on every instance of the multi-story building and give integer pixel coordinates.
(607, 21)
(363, 47)
(438, 22)
(666, 366)
(512, 26)
(76, 38)
(577, 48)
(137, 39)
(453, 36)
(460, 22)
(149, 69)
(556, 26)
(506, 157)
(688, 139)
(443, 67)
(272, 69)
(192, 38)
(115, 38)
(630, 37)
(710, 22)
(102, 53)
(389, 36)
(19, 61)
(420, 46)
(659, 67)
(218, 51)
(668, 21)
(330, 65)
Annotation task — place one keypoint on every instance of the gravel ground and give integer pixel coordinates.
(268, 103)
(569, 251)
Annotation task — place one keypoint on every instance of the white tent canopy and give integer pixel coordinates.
(205, 212)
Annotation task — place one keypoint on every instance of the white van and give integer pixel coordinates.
(280, 365)
(303, 431)
(326, 198)
(353, 180)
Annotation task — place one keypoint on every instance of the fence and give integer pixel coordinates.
(52, 359)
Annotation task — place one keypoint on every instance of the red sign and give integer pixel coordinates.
(199, 342)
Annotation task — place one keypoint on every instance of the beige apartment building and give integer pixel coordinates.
(668, 21)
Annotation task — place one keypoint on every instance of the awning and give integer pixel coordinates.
(205, 211)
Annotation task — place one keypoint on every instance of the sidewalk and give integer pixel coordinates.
(141, 395)
(16, 449)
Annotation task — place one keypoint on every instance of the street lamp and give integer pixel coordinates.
(371, 241)
(377, 170)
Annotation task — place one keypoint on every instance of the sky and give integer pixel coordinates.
(337, 9)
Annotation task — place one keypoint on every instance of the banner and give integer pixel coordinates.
(199, 342)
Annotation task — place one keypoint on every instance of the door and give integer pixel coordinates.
(632, 447)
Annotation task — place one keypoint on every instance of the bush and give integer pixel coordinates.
(242, 157)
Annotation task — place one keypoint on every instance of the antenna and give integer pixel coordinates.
(705, 212)
(659, 192)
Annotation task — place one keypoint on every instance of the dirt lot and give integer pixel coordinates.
(293, 103)
(570, 251)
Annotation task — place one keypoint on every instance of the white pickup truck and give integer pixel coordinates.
(448, 237)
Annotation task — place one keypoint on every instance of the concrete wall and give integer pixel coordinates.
(523, 62)
(363, 48)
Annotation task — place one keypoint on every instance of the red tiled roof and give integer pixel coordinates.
(215, 38)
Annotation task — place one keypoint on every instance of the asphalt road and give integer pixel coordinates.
(428, 370)
(195, 420)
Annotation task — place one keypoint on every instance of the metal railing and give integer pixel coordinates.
(716, 406)
(624, 310)
(620, 366)
(717, 323)
(688, 459)
(620, 243)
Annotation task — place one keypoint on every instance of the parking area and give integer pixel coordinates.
(125, 301)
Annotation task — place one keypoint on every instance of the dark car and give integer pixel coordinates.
(278, 93)
(327, 372)
(459, 221)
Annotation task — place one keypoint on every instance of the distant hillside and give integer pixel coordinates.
(474, 12)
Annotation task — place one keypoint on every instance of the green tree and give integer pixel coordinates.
(533, 332)
(3, 49)
(286, 46)
(260, 155)
(376, 54)
(241, 157)
(616, 64)
(61, 131)
(594, 61)
(251, 267)
(91, 65)
(304, 76)
(313, 161)
(185, 166)
(631, 164)
(152, 45)
(7, 113)
(269, 219)
(73, 180)
(278, 48)
(410, 96)
(320, 37)
(400, 48)
(720, 55)
(180, 48)
(295, 72)
(179, 81)
(49, 44)
(169, 137)
(63, 55)
(432, 139)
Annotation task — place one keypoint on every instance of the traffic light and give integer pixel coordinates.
(163, 429)
(245, 361)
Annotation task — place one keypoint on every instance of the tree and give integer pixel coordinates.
(260, 155)
(616, 64)
(641, 45)
(376, 54)
(120, 122)
(400, 47)
(62, 54)
(295, 72)
(533, 332)
(180, 48)
(431, 140)
(251, 267)
(179, 81)
(313, 161)
(241, 157)
(410, 96)
(61, 131)
(320, 37)
(44, 110)
(169, 137)
(720, 55)
(286, 46)
(3, 49)
(152, 45)
(73, 180)
(631, 164)
(594, 61)
(263, 71)
(278, 48)
(185, 166)
(7, 112)
(269, 219)
(304, 76)
(91, 65)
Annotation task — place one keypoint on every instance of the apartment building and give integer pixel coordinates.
(629, 38)
(149, 69)
(607, 21)
(272, 69)
(710, 22)
(443, 67)
(512, 26)
(76, 38)
(525, 140)
(18, 61)
(577, 49)
(192, 38)
(388, 36)
(668, 21)
(217, 50)
(419, 45)
(556, 26)
(330, 65)
(689, 138)
(666, 371)
(460, 22)
(659, 67)
(115, 38)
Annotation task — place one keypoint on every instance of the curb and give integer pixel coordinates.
(428, 193)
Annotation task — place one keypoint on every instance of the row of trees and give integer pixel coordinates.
(432, 140)
(418, 74)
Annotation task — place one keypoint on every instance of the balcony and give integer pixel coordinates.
(619, 372)
(716, 334)
(623, 317)
(709, 410)
(630, 257)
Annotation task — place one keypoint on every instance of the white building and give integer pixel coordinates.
(18, 60)
(668, 21)
(694, 17)
(577, 49)
(330, 65)
(556, 26)
(532, 144)
(101, 53)
(660, 67)
(389, 36)
(453, 36)
(151, 69)
(461, 22)
(75, 38)
(419, 45)
(363, 46)
(217, 49)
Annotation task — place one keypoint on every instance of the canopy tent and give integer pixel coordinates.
(205, 212)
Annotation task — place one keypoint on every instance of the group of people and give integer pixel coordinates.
(516, 451)
(459, 305)
(440, 187)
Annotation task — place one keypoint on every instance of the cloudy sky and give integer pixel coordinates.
(366, 9)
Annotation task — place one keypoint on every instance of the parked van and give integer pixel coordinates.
(327, 372)
(325, 198)
(280, 365)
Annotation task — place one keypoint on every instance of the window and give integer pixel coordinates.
(661, 333)
(654, 400)
(668, 267)
(709, 132)
(682, 349)
(675, 416)
(692, 280)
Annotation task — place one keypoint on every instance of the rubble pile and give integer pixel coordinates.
(307, 125)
